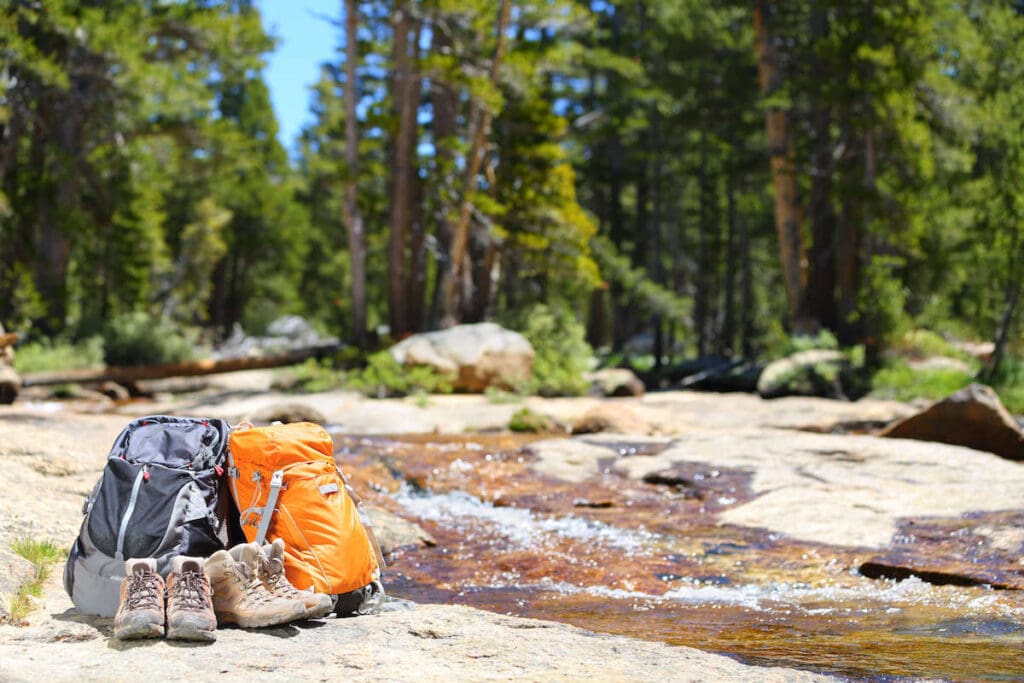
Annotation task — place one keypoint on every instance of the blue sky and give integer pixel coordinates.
(305, 40)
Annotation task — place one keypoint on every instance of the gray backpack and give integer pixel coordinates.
(160, 496)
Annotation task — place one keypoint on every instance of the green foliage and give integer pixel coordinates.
(40, 552)
(1008, 381)
(922, 343)
(561, 352)
(314, 375)
(899, 381)
(383, 376)
(141, 339)
(52, 355)
(526, 420)
(786, 345)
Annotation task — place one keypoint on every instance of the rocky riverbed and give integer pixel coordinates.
(773, 531)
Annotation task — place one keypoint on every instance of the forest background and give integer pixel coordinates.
(666, 179)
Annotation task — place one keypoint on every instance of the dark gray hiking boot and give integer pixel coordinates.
(190, 601)
(272, 575)
(239, 597)
(140, 613)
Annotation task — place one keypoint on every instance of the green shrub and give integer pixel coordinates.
(53, 355)
(561, 352)
(898, 381)
(921, 343)
(1008, 381)
(141, 339)
(383, 376)
(313, 376)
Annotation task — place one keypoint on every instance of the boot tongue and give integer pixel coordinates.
(276, 551)
(191, 566)
(249, 554)
(140, 568)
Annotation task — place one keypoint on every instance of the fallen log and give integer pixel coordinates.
(128, 375)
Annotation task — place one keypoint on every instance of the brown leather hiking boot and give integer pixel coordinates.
(190, 601)
(272, 576)
(140, 613)
(239, 597)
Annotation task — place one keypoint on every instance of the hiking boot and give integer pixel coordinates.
(140, 613)
(239, 597)
(272, 575)
(190, 601)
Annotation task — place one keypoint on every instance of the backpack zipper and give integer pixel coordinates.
(143, 474)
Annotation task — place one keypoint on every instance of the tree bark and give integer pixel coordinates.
(351, 215)
(820, 292)
(780, 150)
(444, 128)
(480, 125)
(406, 93)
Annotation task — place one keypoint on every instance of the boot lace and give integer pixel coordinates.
(142, 591)
(192, 590)
(273, 576)
(251, 585)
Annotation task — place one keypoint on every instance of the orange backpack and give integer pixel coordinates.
(286, 485)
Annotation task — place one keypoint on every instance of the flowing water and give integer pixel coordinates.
(649, 560)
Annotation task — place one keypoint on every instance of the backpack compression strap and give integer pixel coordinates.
(276, 480)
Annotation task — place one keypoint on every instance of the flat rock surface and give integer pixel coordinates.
(240, 395)
(426, 643)
(838, 490)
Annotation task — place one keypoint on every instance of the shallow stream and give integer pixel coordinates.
(650, 560)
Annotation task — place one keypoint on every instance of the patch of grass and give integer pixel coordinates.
(500, 396)
(898, 381)
(526, 420)
(43, 554)
(54, 355)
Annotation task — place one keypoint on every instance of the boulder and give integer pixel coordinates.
(615, 382)
(972, 417)
(10, 384)
(288, 413)
(816, 372)
(609, 417)
(6, 351)
(393, 531)
(475, 356)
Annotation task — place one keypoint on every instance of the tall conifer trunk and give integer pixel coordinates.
(406, 92)
(479, 129)
(780, 150)
(352, 216)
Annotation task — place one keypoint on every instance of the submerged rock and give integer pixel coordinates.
(393, 531)
(972, 417)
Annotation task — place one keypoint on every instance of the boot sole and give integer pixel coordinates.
(139, 631)
(191, 632)
(317, 612)
(257, 621)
